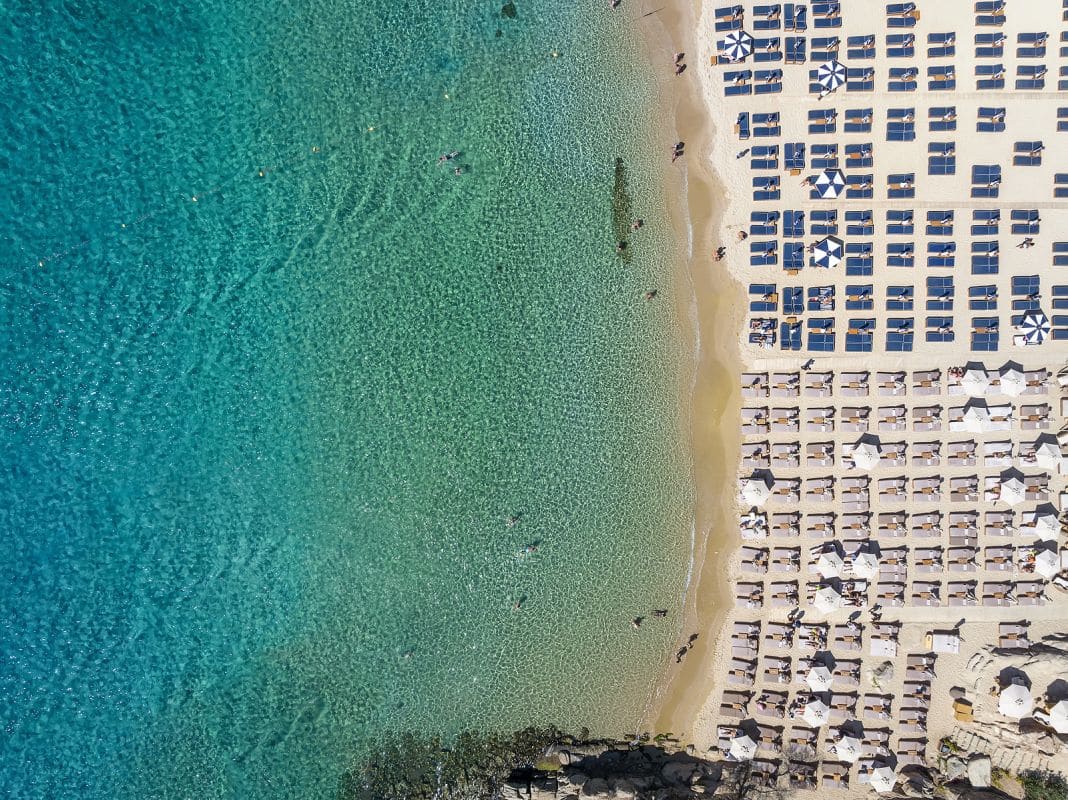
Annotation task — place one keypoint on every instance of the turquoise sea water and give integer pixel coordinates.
(259, 447)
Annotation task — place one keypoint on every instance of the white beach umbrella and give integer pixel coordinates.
(819, 678)
(848, 748)
(755, 491)
(1058, 717)
(830, 183)
(830, 75)
(1048, 455)
(827, 252)
(1035, 327)
(975, 382)
(865, 565)
(1013, 381)
(1015, 701)
(1047, 563)
(976, 419)
(1012, 491)
(1046, 525)
(816, 713)
(830, 564)
(737, 45)
(866, 455)
(883, 779)
(743, 748)
(827, 600)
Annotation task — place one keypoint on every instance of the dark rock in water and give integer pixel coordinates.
(508, 11)
(499, 33)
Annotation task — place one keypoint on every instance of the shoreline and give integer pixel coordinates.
(709, 312)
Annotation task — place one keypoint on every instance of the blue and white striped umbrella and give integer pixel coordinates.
(737, 45)
(830, 183)
(1035, 327)
(827, 252)
(831, 75)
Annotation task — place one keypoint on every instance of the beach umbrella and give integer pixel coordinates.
(976, 419)
(1048, 455)
(1047, 563)
(827, 252)
(827, 600)
(755, 491)
(819, 678)
(975, 382)
(866, 455)
(737, 45)
(816, 713)
(1013, 381)
(848, 748)
(883, 779)
(743, 748)
(1035, 327)
(1013, 491)
(1046, 524)
(829, 565)
(830, 75)
(1058, 717)
(830, 183)
(1015, 701)
(865, 565)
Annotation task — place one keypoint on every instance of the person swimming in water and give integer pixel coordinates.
(448, 156)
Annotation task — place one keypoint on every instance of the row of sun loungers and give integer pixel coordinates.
(884, 384)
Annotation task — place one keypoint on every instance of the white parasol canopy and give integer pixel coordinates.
(865, 565)
(1015, 701)
(737, 45)
(975, 382)
(827, 600)
(976, 419)
(1047, 524)
(1047, 563)
(1035, 327)
(866, 455)
(816, 713)
(743, 748)
(827, 252)
(1048, 455)
(819, 678)
(830, 565)
(1013, 381)
(755, 491)
(830, 183)
(1058, 717)
(883, 779)
(848, 748)
(1013, 491)
(830, 75)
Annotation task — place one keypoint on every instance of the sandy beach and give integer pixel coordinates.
(915, 367)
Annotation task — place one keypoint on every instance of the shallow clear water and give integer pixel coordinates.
(259, 447)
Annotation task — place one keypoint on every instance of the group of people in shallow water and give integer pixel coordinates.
(445, 158)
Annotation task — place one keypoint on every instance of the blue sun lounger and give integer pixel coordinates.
(1027, 154)
(793, 224)
(1059, 329)
(766, 125)
(901, 15)
(901, 125)
(1031, 77)
(859, 47)
(990, 120)
(940, 292)
(822, 120)
(763, 254)
(985, 334)
(824, 222)
(985, 258)
(985, 222)
(859, 259)
(900, 45)
(824, 48)
(821, 298)
(794, 155)
(768, 81)
(901, 254)
(990, 12)
(767, 50)
(763, 223)
(860, 187)
(826, 15)
(939, 223)
(941, 119)
(1060, 185)
(1031, 45)
(860, 335)
(1025, 221)
(764, 157)
(983, 297)
(1060, 254)
(821, 335)
(859, 297)
(795, 49)
(899, 334)
(941, 45)
(900, 222)
(766, 188)
(1060, 297)
(1064, 44)
(741, 125)
(793, 300)
(941, 159)
(738, 82)
(790, 336)
(986, 180)
(859, 120)
(860, 79)
(903, 79)
(795, 17)
(1026, 290)
(765, 297)
(793, 256)
(989, 76)
(767, 18)
(729, 18)
(1062, 83)
(941, 255)
(990, 45)
(939, 329)
(859, 156)
(859, 223)
(900, 298)
(941, 79)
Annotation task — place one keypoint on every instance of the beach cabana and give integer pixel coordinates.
(827, 600)
(819, 678)
(755, 491)
(1058, 717)
(816, 713)
(1015, 701)
(743, 748)
(827, 252)
(883, 779)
